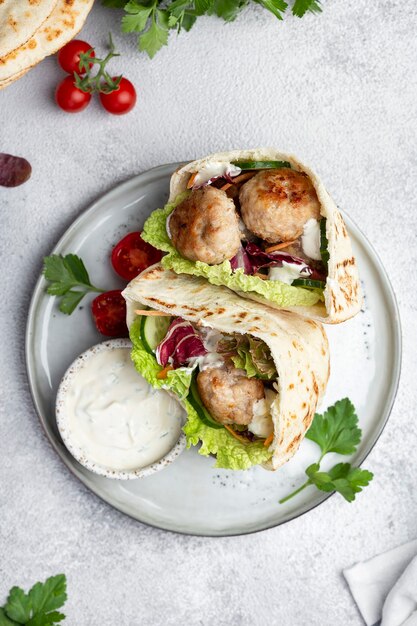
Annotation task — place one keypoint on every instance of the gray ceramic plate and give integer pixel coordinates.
(191, 496)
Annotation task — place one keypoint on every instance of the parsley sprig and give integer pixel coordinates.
(153, 19)
(69, 279)
(336, 431)
(38, 607)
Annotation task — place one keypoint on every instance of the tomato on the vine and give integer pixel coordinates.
(109, 312)
(69, 56)
(121, 100)
(132, 255)
(70, 98)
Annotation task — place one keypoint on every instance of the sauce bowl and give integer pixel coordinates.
(63, 422)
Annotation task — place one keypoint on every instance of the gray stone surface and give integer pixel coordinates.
(340, 91)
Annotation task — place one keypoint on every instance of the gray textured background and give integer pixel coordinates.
(340, 91)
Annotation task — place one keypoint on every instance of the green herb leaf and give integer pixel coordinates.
(182, 14)
(154, 38)
(38, 607)
(68, 278)
(336, 430)
(50, 595)
(70, 301)
(46, 620)
(178, 7)
(301, 7)
(5, 621)
(277, 7)
(228, 9)
(202, 6)
(18, 606)
(188, 22)
(343, 478)
(137, 17)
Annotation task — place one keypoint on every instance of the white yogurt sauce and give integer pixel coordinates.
(261, 424)
(310, 239)
(288, 272)
(214, 169)
(115, 417)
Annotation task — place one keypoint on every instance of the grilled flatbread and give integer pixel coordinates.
(30, 30)
(298, 346)
(341, 297)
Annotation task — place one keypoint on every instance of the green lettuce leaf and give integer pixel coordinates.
(155, 233)
(230, 453)
(249, 354)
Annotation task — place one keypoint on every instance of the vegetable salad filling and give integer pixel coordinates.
(250, 225)
(227, 383)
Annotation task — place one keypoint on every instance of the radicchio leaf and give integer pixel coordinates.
(14, 170)
(182, 343)
(241, 261)
(259, 258)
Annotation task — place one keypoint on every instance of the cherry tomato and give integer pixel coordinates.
(120, 101)
(69, 56)
(69, 97)
(132, 255)
(109, 312)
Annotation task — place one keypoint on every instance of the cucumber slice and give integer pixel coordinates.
(261, 165)
(324, 244)
(152, 330)
(307, 282)
(195, 401)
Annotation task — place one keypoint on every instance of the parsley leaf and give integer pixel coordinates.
(68, 278)
(18, 606)
(277, 7)
(136, 18)
(153, 19)
(228, 9)
(38, 607)
(301, 7)
(4, 620)
(154, 38)
(336, 431)
(50, 595)
(343, 478)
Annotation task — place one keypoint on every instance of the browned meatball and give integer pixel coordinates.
(229, 395)
(205, 227)
(276, 204)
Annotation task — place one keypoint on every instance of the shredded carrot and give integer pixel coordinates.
(279, 246)
(164, 373)
(235, 435)
(152, 313)
(269, 440)
(259, 275)
(226, 186)
(191, 180)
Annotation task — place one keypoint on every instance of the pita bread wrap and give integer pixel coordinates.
(341, 298)
(30, 30)
(298, 346)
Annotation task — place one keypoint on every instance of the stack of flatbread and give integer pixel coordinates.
(30, 30)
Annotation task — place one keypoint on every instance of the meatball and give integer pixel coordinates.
(205, 227)
(275, 204)
(229, 395)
